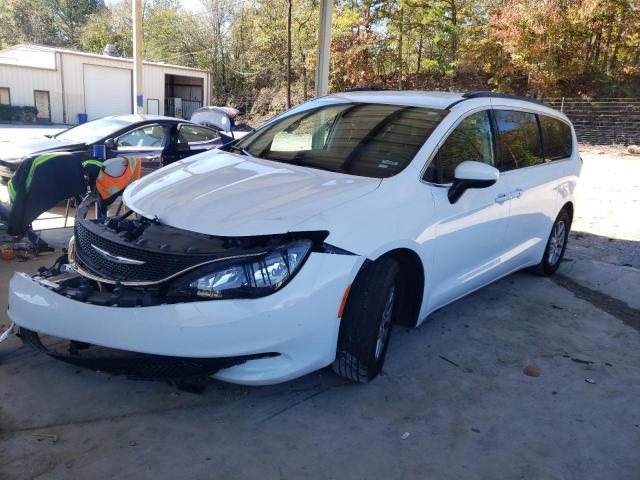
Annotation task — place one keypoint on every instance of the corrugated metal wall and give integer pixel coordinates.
(22, 81)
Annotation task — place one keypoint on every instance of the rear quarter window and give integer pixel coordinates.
(556, 137)
(195, 134)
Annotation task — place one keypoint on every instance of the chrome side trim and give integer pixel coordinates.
(74, 264)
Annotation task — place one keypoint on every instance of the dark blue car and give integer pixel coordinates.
(159, 140)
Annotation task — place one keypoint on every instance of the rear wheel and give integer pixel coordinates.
(556, 245)
(367, 321)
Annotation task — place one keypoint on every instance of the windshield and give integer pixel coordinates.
(92, 131)
(366, 139)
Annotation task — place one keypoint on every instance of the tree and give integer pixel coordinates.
(71, 15)
(540, 47)
(28, 21)
(108, 26)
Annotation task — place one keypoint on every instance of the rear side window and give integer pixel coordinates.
(519, 139)
(195, 134)
(472, 140)
(557, 139)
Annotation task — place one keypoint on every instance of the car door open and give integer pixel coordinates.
(147, 141)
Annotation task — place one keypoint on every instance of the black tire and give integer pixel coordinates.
(374, 296)
(550, 263)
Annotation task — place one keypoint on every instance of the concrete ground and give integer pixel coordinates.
(452, 402)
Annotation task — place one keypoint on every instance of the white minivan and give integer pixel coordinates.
(300, 245)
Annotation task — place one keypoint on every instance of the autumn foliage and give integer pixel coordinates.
(536, 47)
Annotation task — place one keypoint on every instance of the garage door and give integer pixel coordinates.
(107, 91)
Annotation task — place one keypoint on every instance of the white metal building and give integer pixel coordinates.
(62, 84)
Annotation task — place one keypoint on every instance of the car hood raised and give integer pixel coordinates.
(32, 146)
(225, 194)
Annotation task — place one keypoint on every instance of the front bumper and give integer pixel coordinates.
(298, 322)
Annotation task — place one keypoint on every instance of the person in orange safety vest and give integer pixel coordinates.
(109, 178)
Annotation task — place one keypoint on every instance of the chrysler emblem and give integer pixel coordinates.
(116, 258)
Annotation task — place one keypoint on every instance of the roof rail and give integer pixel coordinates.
(368, 89)
(487, 94)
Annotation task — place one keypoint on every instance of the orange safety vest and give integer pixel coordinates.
(109, 186)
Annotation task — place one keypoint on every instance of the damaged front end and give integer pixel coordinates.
(132, 261)
(135, 262)
(136, 366)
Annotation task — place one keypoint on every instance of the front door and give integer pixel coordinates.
(147, 141)
(469, 235)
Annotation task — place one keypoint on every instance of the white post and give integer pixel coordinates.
(324, 45)
(138, 96)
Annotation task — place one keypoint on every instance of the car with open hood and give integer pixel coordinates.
(302, 244)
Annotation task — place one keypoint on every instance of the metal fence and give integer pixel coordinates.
(599, 121)
(188, 107)
(602, 121)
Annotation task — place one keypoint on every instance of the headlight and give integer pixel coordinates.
(246, 277)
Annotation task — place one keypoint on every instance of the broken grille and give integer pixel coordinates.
(157, 265)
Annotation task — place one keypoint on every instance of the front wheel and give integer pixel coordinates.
(556, 245)
(367, 320)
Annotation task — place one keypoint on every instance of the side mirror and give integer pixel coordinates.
(110, 143)
(471, 174)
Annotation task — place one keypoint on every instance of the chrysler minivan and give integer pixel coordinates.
(302, 244)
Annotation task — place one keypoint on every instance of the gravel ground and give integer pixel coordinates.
(607, 217)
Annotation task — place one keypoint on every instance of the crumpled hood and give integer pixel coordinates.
(29, 147)
(227, 194)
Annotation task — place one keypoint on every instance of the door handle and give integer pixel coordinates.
(503, 197)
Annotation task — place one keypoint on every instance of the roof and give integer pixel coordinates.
(135, 117)
(27, 47)
(441, 100)
(405, 97)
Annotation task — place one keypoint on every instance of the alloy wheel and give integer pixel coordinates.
(385, 324)
(556, 243)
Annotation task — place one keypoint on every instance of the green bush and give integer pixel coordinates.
(14, 113)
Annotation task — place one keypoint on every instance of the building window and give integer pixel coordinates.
(5, 96)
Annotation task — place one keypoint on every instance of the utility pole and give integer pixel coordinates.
(289, 54)
(324, 46)
(400, 49)
(138, 96)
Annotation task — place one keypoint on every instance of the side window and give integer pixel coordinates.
(472, 139)
(195, 134)
(556, 136)
(519, 143)
(147, 136)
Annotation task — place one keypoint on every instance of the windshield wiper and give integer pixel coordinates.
(296, 161)
(243, 151)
